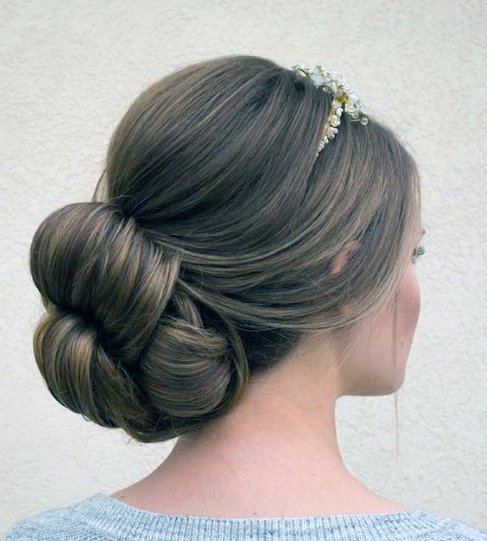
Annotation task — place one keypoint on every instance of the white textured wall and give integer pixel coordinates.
(69, 70)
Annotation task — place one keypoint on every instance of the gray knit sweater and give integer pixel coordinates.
(103, 518)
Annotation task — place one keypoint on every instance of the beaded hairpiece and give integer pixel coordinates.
(344, 99)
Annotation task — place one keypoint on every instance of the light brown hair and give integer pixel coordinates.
(203, 256)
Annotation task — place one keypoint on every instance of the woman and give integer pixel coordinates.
(247, 259)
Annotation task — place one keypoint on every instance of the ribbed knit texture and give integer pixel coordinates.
(103, 518)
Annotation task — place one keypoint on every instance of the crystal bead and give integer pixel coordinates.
(317, 79)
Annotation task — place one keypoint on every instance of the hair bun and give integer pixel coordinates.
(118, 342)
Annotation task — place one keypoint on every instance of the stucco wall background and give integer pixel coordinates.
(68, 72)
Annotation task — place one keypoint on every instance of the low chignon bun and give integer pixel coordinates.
(106, 346)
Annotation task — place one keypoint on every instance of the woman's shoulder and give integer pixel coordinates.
(100, 518)
(54, 524)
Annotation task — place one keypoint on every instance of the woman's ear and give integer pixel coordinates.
(339, 260)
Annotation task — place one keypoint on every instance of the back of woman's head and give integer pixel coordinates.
(204, 255)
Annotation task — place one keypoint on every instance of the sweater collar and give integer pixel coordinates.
(120, 520)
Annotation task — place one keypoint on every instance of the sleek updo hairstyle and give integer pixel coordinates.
(203, 256)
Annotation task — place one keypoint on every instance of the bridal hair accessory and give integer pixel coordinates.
(344, 99)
